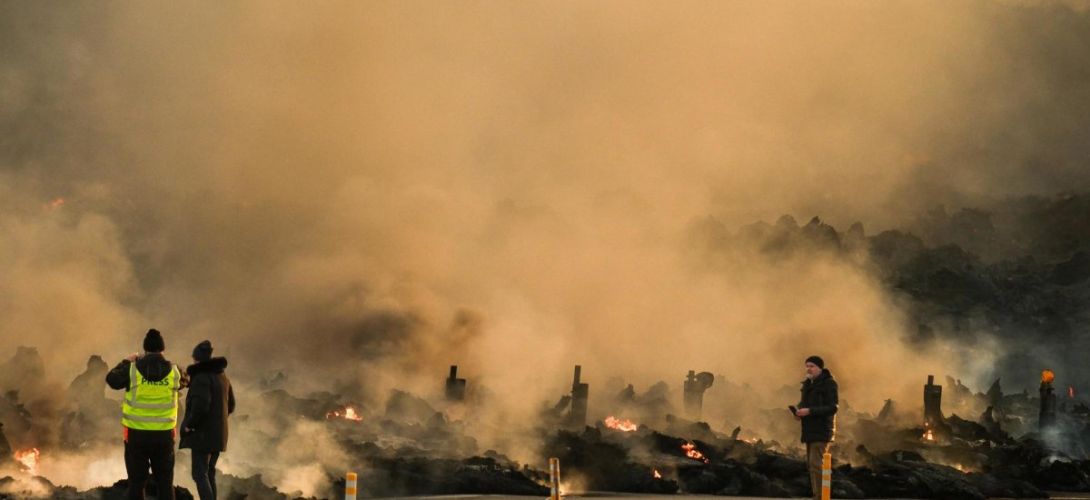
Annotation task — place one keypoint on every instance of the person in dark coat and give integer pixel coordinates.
(207, 404)
(817, 411)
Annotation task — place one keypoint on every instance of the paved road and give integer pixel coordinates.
(611, 496)
(625, 496)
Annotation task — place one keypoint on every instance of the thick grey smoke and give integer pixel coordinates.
(363, 193)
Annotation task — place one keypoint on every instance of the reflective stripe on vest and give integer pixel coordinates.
(151, 406)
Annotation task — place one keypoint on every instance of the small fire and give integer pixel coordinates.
(693, 453)
(29, 458)
(55, 203)
(1047, 376)
(624, 425)
(1071, 392)
(348, 413)
(655, 474)
(928, 435)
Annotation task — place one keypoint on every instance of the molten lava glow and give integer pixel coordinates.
(655, 474)
(693, 453)
(625, 425)
(348, 413)
(1047, 376)
(29, 459)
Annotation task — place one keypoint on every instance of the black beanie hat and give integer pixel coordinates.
(153, 341)
(817, 361)
(203, 351)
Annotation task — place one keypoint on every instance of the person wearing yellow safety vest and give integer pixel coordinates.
(149, 415)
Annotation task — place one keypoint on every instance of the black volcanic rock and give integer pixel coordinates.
(1072, 271)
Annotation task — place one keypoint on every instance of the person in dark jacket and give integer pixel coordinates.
(146, 444)
(207, 404)
(817, 411)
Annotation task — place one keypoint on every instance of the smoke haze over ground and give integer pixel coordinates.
(364, 193)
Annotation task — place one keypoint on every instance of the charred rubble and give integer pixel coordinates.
(646, 461)
(945, 457)
(409, 445)
(36, 488)
(230, 487)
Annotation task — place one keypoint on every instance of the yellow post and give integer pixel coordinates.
(826, 476)
(350, 486)
(554, 478)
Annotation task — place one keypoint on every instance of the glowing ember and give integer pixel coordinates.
(655, 474)
(348, 413)
(1071, 392)
(693, 453)
(625, 425)
(29, 459)
(1047, 376)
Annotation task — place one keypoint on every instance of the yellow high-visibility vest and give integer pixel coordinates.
(148, 405)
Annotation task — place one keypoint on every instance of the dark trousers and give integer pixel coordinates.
(204, 473)
(154, 449)
(814, 456)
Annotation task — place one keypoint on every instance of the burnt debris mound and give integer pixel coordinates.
(647, 461)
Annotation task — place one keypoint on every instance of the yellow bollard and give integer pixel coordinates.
(350, 486)
(826, 476)
(554, 478)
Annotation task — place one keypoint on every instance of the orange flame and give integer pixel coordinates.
(928, 436)
(29, 458)
(1047, 376)
(1071, 392)
(625, 425)
(55, 203)
(655, 474)
(348, 413)
(693, 453)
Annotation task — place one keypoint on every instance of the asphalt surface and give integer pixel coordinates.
(626, 496)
